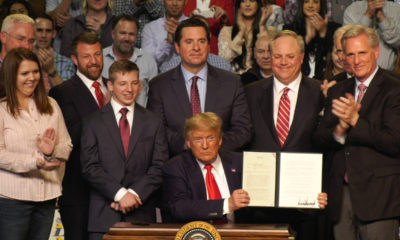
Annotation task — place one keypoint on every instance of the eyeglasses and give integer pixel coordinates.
(22, 39)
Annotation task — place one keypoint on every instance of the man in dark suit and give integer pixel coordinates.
(186, 188)
(284, 110)
(123, 149)
(78, 98)
(175, 98)
(362, 135)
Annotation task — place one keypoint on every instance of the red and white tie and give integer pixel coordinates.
(282, 122)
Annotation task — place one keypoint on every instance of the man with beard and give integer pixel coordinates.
(78, 97)
(124, 34)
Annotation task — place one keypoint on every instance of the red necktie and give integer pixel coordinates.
(212, 187)
(194, 97)
(124, 129)
(282, 122)
(362, 89)
(99, 93)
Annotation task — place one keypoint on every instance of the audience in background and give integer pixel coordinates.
(143, 10)
(236, 42)
(158, 35)
(96, 18)
(274, 14)
(21, 7)
(311, 22)
(383, 16)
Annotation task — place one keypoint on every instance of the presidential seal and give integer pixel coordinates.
(198, 231)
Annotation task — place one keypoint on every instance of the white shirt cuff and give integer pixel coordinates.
(120, 194)
(226, 207)
(339, 139)
(133, 192)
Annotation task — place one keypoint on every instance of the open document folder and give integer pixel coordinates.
(288, 180)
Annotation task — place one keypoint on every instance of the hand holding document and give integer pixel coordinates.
(289, 180)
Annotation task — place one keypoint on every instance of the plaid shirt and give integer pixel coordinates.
(145, 12)
(64, 66)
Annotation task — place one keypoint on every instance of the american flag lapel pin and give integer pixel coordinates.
(233, 170)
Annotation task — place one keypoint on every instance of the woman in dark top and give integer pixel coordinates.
(312, 24)
(96, 17)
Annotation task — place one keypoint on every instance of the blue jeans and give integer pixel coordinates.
(20, 220)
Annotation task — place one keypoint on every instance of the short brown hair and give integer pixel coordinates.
(84, 37)
(8, 76)
(203, 121)
(121, 66)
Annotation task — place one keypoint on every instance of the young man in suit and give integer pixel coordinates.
(78, 97)
(186, 188)
(123, 149)
(284, 110)
(195, 86)
(360, 130)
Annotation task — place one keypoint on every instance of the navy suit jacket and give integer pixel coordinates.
(76, 103)
(371, 153)
(224, 96)
(184, 188)
(310, 101)
(106, 168)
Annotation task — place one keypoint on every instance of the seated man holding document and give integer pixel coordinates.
(205, 183)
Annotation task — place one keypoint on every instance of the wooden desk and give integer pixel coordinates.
(127, 231)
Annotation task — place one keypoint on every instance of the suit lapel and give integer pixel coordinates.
(83, 96)
(372, 91)
(197, 176)
(178, 85)
(139, 121)
(213, 85)
(300, 111)
(267, 107)
(229, 172)
(111, 125)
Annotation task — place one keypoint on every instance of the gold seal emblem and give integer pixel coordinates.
(197, 230)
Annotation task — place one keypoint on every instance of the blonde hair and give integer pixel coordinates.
(10, 20)
(340, 31)
(109, 9)
(203, 121)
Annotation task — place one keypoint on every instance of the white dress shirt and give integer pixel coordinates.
(292, 94)
(89, 84)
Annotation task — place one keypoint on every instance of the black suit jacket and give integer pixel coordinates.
(310, 101)
(371, 153)
(76, 102)
(184, 188)
(106, 168)
(225, 97)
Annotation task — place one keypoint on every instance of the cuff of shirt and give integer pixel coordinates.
(226, 207)
(133, 192)
(339, 139)
(120, 194)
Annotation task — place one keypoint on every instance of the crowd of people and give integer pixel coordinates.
(140, 110)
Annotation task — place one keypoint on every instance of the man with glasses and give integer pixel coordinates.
(17, 30)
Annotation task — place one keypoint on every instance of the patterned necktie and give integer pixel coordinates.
(362, 89)
(282, 122)
(99, 93)
(124, 129)
(212, 187)
(194, 96)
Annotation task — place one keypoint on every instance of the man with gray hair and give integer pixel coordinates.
(17, 30)
(361, 136)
